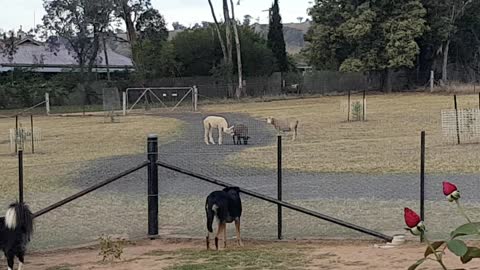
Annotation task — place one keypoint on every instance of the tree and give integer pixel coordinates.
(276, 40)
(155, 55)
(178, 26)
(240, 90)
(443, 19)
(227, 47)
(8, 47)
(366, 36)
(198, 53)
(78, 25)
(151, 25)
(129, 11)
(247, 20)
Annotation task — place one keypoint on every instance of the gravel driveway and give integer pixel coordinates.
(191, 153)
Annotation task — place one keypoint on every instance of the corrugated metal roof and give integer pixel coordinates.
(38, 54)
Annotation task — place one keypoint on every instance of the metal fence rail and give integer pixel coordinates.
(277, 202)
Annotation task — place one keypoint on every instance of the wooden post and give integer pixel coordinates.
(432, 80)
(349, 106)
(364, 105)
(456, 118)
(31, 127)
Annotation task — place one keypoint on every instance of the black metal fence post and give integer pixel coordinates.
(456, 118)
(20, 175)
(152, 146)
(422, 179)
(279, 186)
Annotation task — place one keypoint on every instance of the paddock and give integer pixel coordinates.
(360, 172)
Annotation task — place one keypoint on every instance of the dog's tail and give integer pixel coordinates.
(19, 216)
(210, 209)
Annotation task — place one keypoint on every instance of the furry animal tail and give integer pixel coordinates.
(20, 217)
(210, 209)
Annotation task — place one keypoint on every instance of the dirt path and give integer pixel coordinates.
(191, 254)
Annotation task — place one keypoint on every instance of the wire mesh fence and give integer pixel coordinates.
(363, 172)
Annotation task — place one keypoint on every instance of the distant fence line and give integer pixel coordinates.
(311, 82)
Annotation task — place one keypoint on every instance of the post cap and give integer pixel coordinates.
(152, 136)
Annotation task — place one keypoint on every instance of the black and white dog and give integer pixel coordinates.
(16, 229)
(224, 205)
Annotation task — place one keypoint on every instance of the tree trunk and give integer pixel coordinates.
(240, 91)
(228, 37)
(217, 28)
(131, 33)
(445, 50)
(388, 80)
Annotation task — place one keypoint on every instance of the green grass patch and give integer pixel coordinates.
(260, 257)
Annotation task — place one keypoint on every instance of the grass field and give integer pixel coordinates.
(388, 142)
(69, 142)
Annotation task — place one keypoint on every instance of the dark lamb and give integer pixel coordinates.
(240, 132)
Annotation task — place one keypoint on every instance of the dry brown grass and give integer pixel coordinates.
(458, 88)
(388, 142)
(69, 142)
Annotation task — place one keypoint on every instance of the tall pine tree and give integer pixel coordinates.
(276, 41)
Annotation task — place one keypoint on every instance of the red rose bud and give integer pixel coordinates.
(451, 191)
(448, 188)
(411, 218)
(413, 221)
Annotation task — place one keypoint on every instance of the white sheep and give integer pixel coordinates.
(285, 125)
(211, 122)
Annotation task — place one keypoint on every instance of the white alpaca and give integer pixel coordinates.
(219, 123)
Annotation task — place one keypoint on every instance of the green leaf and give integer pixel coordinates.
(415, 265)
(435, 246)
(467, 229)
(458, 247)
(472, 252)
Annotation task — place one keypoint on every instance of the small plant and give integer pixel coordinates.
(455, 245)
(110, 249)
(356, 111)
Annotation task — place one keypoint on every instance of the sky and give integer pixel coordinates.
(25, 13)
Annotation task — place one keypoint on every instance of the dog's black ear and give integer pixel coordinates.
(237, 189)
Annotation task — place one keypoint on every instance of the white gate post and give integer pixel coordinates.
(47, 102)
(124, 102)
(195, 98)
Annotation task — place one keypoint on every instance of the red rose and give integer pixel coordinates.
(448, 188)
(411, 218)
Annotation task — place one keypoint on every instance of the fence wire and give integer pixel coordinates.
(363, 172)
